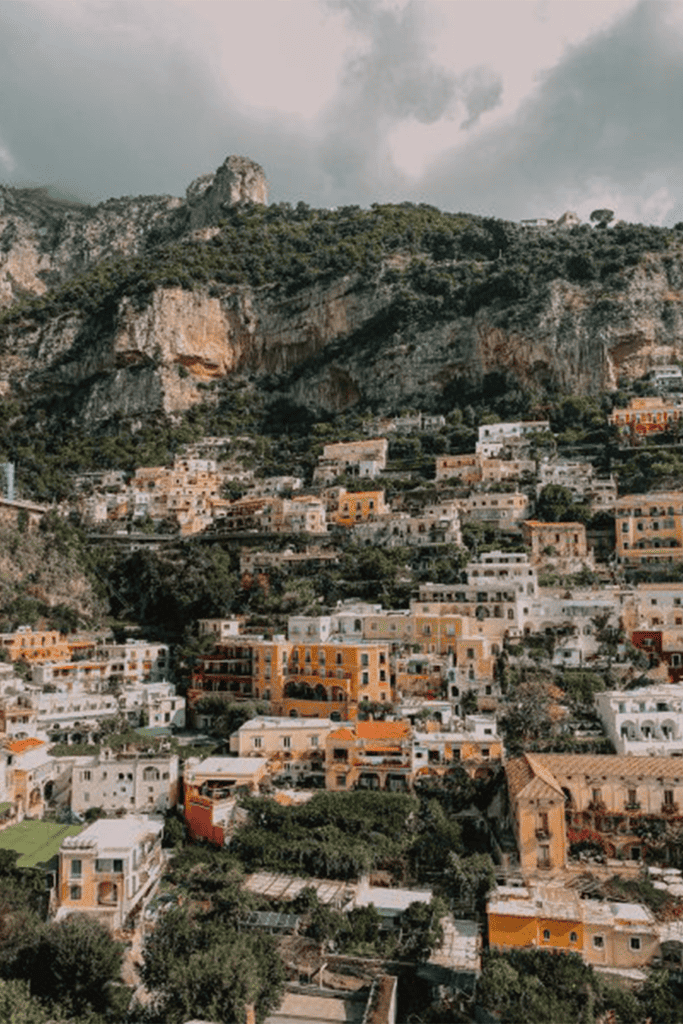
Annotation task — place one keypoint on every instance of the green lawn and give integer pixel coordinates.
(36, 842)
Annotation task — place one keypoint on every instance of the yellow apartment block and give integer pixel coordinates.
(359, 507)
(649, 527)
(616, 935)
(41, 645)
(646, 415)
(310, 679)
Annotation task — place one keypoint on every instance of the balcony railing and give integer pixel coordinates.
(543, 833)
(632, 805)
(669, 808)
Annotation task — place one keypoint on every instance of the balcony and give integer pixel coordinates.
(670, 808)
(632, 806)
(543, 833)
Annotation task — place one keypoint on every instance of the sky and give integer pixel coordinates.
(506, 108)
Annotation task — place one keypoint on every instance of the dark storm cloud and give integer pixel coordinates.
(107, 99)
(607, 115)
(108, 107)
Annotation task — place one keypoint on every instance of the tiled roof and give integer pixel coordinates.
(592, 765)
(21, 746)
(382, 730)
(341, 734)
(526, 774)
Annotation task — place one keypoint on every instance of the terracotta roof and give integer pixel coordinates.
(528, 775)
(382, 730)
(341, 734)
(21, 746)
(630, 766)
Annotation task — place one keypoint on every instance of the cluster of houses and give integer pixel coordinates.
(385, 699)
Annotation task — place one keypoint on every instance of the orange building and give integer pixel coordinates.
(110, 869)
(649, 527)
(307, 679)
(647, 415)
(358, 507)
(616, 935)
(210, 788)
(369, 755)
(41, 645)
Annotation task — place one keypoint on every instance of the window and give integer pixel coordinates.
(573, 937)
(598, 942)
(634, 942)
(76, 868)
(287, 742)
(546, 935)
(596, 796)
(85, 776)
(365, 679)
(341, 781)
(75, 892)
(256, 742)
(314, 741)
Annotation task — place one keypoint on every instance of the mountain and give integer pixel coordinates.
(144, 306)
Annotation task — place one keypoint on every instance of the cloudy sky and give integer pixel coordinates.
(512, 108)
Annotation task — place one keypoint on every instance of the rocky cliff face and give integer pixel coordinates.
(328, 346)
(44, 241)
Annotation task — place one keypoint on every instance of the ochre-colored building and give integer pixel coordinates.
(607, 800)
(369, 755)
(550, 916)
(309, 679)
(358, 507)
(646, 415)
(555, 540)
(649, 527)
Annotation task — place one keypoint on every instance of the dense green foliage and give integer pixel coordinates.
(539, 985)
(200, 964)
(334, 835)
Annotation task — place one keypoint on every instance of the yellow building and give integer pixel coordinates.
(550, 916)
(649, 527)
(110, 869)
(358, 507)
(537, 805)
(646, 415)
(369, 755)
(555, 540)
(308, 679)
(606, 800)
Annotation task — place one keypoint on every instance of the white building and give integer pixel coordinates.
(495, 437)
(647, 722)
(121, 781)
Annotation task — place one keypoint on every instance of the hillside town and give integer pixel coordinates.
(533, 703)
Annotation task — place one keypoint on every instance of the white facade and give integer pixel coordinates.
(647, 722)
(134, 783)
(494, 437)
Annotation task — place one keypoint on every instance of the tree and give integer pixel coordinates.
(74, 964)
(470, 878)
(601, 218)
(197, 967)
(18, 1007)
